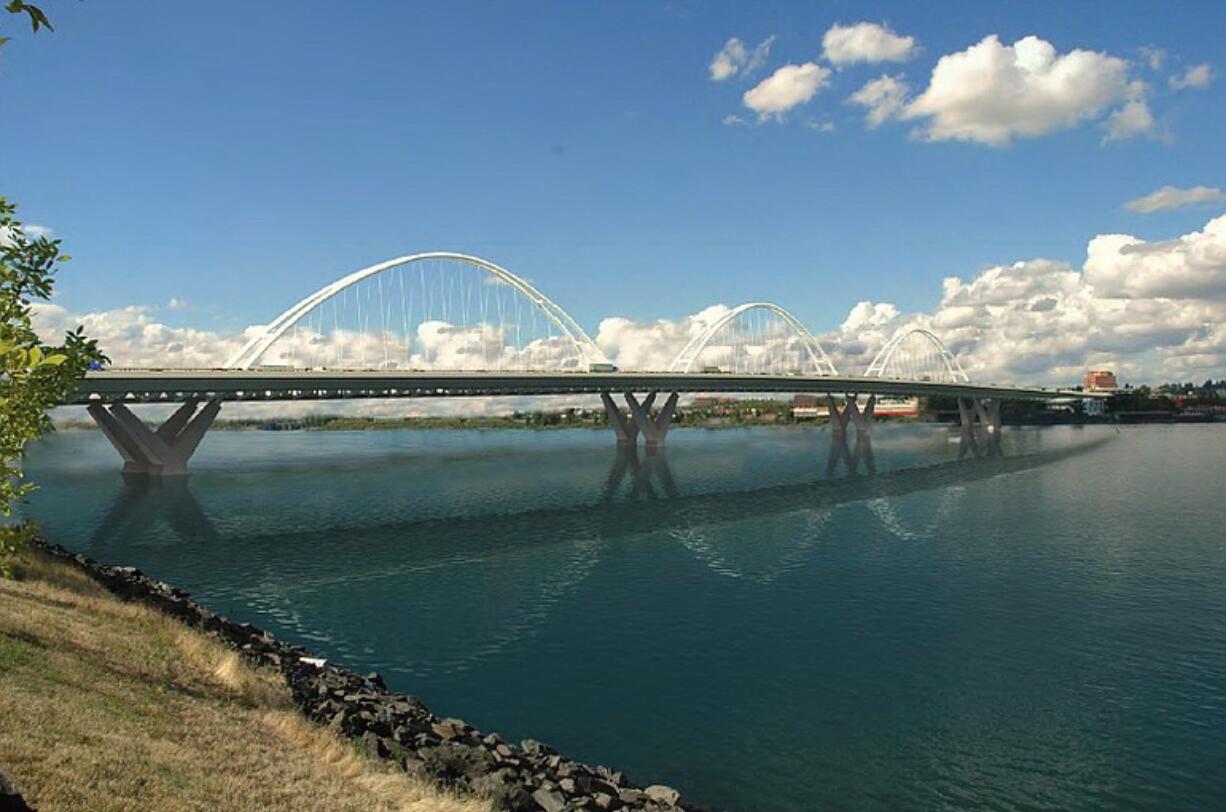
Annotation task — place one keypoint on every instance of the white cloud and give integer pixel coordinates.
(1154, 57)
(1153, 311)
(728, 60)
(651, 345)
(883, 98)
(786, 88)
(865, 42)
(176, 303)
(991, 92)
(1171, 197)
(819, 126)
(1131, 120)
(30, 230)
(1195, 76)
(735, 58)
(132, 337)
(757, 59)
(733, 120)
(1191, 266)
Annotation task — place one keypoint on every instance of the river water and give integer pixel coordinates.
(943, 627)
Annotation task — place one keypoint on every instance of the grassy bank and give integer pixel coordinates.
(113, 706)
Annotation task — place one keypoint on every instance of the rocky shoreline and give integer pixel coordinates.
(524, 777)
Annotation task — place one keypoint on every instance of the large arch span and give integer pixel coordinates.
(692, 352)
(278, 327)
(916, 354)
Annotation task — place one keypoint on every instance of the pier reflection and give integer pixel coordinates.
(645, 474)
(144, 502)
(494, 576)
(860, 453)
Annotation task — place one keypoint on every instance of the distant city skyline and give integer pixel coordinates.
(1043, 190)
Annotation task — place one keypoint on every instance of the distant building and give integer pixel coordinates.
(814, 406)
(1094, 407)
(710, 402)
(1098, 380)
(809, 407)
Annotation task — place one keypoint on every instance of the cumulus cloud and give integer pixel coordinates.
(649, 346)
(786, 88)
(992, 93)
(1195, 76)
(177, 303)
(868, 315)
(1131, 120)
(728, 60)
(1153, 311)
(132, 337)
(1172, 197)
(735, 58)
(883, 99)
(1191, 266)
(865, 42)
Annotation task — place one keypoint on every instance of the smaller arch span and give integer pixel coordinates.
(570, 330)
(886, 364)
(689, 355)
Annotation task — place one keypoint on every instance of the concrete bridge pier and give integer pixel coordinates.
(640, 420)
(627, 429)
(984, 410)
(862, 419)
(653, 429)
(161, 452)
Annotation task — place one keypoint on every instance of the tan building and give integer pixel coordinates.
(1100, 379)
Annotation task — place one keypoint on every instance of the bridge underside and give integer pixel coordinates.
(166, 386)
(166, 450)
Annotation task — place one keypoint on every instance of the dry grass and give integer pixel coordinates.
(112, 706)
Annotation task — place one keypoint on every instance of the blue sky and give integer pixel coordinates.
(239, 155)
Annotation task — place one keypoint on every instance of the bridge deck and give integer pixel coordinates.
(171, 386)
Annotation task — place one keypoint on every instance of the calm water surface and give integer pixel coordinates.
(1045, 629)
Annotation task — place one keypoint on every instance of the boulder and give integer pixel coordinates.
(455, 763)
(549, 800)
(662, 794)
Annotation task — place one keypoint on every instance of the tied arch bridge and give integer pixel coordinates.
(445, 324)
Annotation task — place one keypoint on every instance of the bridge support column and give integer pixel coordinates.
(161, 452)
(627, 429)
(985, 410)
(654, 429)
(862, 419)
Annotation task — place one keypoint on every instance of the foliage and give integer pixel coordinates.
(37, 18)
(34, 376)
(13, 542)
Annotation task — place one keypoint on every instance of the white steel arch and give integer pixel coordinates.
(877, 369)
(256, 347)
(690, 353)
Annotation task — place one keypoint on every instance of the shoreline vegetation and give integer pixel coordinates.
(113, 705)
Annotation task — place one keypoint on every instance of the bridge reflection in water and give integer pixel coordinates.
(521, 563)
